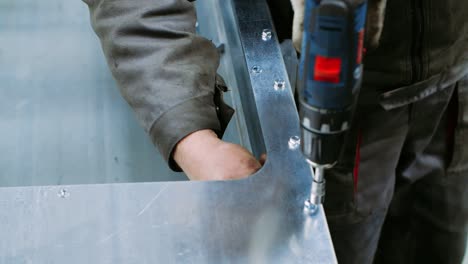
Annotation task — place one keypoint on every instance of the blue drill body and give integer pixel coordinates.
(331, 36)
(330, 75)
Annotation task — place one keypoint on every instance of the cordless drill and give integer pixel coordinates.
(330, 75)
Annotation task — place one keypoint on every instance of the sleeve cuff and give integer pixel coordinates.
(183, 119)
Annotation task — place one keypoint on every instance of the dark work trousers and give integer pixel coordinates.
(400, 193)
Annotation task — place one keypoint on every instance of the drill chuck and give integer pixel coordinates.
(322, 133)
(317, 191)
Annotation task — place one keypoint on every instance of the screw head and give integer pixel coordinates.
(294, 142)
(266, 34)
(63, 193)
(279, 84)
(309, 207)
(256, 69)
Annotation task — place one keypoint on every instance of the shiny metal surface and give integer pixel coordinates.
(256, 220)
(219, 27)
(62, 119)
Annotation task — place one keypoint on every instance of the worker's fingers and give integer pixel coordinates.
(202, 156)
(262, 159)
(231, 161)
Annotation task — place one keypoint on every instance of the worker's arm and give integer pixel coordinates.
(167, 74)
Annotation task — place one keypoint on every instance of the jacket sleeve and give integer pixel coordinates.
(164, 71)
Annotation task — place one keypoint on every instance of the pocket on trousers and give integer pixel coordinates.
(459, 160)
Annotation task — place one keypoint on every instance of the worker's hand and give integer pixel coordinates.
(203, 156)
(374, 25)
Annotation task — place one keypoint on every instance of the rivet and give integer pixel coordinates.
(256, 69)
(279, 84)
(310, 208)
(63, 193)
(294, 142)
(266, 34)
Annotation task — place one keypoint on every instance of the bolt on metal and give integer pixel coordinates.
(256, 69)
(63, 193)
(294, 142)
(310, 207)
(279, 84)
(266, 34)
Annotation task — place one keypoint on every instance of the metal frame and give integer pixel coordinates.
(256, 220)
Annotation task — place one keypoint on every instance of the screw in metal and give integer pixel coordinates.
(309, 207)
(294, 142)
(256, 69)
(266, 34)
(63, 193)
(279, 84)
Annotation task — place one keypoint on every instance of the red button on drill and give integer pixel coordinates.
(327, 69)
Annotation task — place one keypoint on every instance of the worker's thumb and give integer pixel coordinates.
(262, 159)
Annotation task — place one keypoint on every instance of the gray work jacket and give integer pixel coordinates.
(163, 69)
